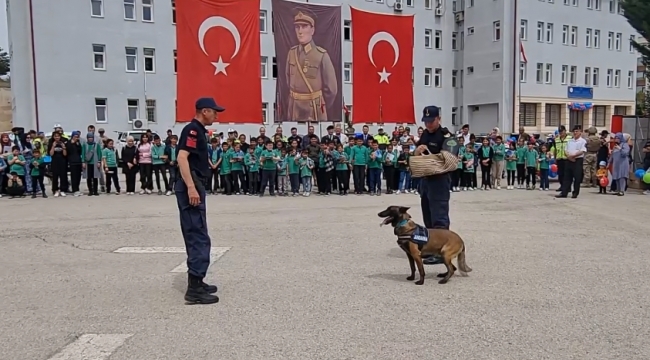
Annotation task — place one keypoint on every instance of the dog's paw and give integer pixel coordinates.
(441, 275)
(443, 281)
(419, 282)
(411, 278)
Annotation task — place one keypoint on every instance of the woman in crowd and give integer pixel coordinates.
(59, 164)
(146, 169)
(619, 160)
(129, 158)
(92, 158)
(26, 145)
(75, 161)
(5, 145)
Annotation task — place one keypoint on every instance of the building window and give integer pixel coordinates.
(151, 110)
(523, 30)
(460, 82)
(147, 10)
(129, 10)
(599, 117)
(454, 79)
(610, 40)
(617, 42)
(522, 72)
(175, 61)
(566, 2)
(617, 78)
(101, 110)
(263, 21)
(173, 11)
(527, 114)
(427, 76)
(540, 31)
(630, 77)
(149, 60)
(437, 78)
(574, 2)
(274, 68)
(563, 76)
(347, 72)
(620, 110)
(597, 4)
(496, 66)
(552, 117)
(264, 65)
(409, 3)
(454, 41)
(596, 39)
(347, 30)
(427, 38)
(540, 73)
(462, 40)
(565, 35)
(548, 74)
(133, 109)
(588, 35)
(632, 44)
(454, 115)
(608, 78)
(496, 31)
(574, 36)
(612, 6)
(427, 4)
(99, 57)
(587, 76)
(470, 70)
(97, 8)
(470, 3)
(576, 117)
(595, 77)
(265, 115)
(590, 4)
(549, 33)
(131, 59)
(438, 40)
(470, 31)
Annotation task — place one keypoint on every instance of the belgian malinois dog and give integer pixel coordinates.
(440, 242)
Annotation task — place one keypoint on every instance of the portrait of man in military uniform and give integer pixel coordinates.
(308, 88)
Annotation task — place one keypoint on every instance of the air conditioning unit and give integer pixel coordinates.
(460, 16)
(439, 11)
(139, 124)
(399, 5)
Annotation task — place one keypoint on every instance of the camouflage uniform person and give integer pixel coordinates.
(590, 165)
(310, 75)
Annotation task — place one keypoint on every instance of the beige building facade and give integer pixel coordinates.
(5, 106)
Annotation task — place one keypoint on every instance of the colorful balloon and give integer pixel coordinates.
(554, 168)
(646, 178)
(639, 173)
(604, 182)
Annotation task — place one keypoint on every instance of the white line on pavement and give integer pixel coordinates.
(92, 347)
(150, 250)
(215, 254)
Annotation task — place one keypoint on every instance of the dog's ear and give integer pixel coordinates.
(403, 209)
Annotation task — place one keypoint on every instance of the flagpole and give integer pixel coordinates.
(380, 112)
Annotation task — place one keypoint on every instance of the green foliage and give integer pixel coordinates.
(637, 13)
(4, 62)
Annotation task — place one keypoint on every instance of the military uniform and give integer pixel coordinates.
(590, 166)
(311, 78)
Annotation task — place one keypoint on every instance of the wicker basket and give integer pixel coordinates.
(432, 164)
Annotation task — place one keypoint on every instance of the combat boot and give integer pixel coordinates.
(197, 294)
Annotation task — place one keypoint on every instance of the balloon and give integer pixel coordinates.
(552, 174)
(604, 182)
(646, 178)
(639, 173)
(554, 168)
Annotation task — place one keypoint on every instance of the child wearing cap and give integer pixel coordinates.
(600, 174)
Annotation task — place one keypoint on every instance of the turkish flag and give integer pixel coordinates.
(382, 54)
(218, 55)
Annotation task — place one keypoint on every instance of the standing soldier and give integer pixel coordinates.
(590, 165)
(310, 75)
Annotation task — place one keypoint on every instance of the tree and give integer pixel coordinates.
(4, 62)
(637, 13)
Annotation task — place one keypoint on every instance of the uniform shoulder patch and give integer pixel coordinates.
(193, 132)
(294, 47)
(320, 49)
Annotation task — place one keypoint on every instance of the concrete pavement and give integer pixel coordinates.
(317, 278)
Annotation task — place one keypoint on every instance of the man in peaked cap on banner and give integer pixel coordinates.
(434, 190)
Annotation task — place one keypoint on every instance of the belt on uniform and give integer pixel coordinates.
(592, 152)
(307, 97)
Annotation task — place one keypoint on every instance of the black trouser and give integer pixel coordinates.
(146, 182)
(253, 182)
(561, 170)
(130, 175)
(36, 182)
(434, 201)
(213, 180)
(91, 181)
(75, 177)
(60, 177)
(511, 177)
(158, 169)
(467, 178)
(359, 177)
(324, 181)
(112, 178)
(226, 183)
(268, 178)
(389, 175)
(572, 175)
(173, 176)
(486, 177)
(334, 181)
(457, 178)
(238, 180)
(521, 174)
(343, 177)
(531, 175)
(294, 179)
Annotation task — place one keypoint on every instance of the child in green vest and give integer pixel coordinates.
(359, 159)
(237, 169)
(37, 172)
(544, 162)
(16, 163)
(172, 164)
(283, 173)
(468, 161)
(306, 166)
(325, 168)
(374, 169)
(511, 165)
(531, 157)
(158, 161)
(294, 171)
(458, 181)
(225, 169)
(521, 163)
(390, 160)
(214, 156)
(109, 160)
(269, 160)
(253, 167)
(342, 169)
(91, 155)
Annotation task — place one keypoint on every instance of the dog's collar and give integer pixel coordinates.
(402, 223)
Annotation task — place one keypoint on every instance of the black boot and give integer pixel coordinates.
(210, 289)
(196, 292)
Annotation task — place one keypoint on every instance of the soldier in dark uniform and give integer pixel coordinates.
(310, 75)
(434, 190)
(192, 158)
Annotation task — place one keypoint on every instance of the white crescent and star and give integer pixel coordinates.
(219, 21)
(387, 37)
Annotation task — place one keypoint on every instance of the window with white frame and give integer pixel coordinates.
(573, 74)
(608, 77)
(347, 30)
(427, 4)
(496, 31)
(460, 78)
(97, 8)
(131, 59)
(522, 72)
(438, 40)
(630, 77)
(590, 4)
(574, 2)
(175, 61)
(129, 10)
(470, 70)
(574, 36)
(437, 77)
(410, 3)
(588, 35)
(470, 30)
(549, 33)
(274, 68)
(173, 11)
(462, 40)
(540, 73)
(540, 31)
(101, 110)
(612, 6)
(610, 40)
(428, 34)
(587, 76)
(454, 79)
(631, 43)
(264, 67)
(99, 57)
(617, 41)
(566, 2)
(619, 8)
(347, 72)
(454, 115)
(565, 35)
(596, 39)
(617, 78)
(454, 41)
(149, 60)
(263, 21)
(428, 72)
(523, 29)
(597, 4)
(133, 109)
(496, 66)
(564, 75)
(470, 3)
(151, 110)
(147, 10)
(595, 77)
(265, 115)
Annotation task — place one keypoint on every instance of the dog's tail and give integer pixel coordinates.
(462, 265)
